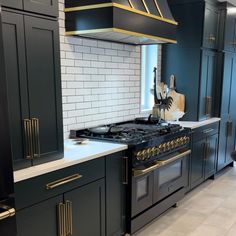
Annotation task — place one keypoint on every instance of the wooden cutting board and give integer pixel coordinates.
(178, 104)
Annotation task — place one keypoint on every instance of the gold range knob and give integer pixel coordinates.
(172, 144)
(149, 153)
(144, 155)
(138, 155)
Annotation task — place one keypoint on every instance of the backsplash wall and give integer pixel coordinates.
(100, 80)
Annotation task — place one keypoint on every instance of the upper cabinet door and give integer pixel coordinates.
(12, 3)
(14, 53)
(211, 25)
(232, 94)
(46, 7)
(206, 98)
(44, 85)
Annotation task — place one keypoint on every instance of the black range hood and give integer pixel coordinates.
(137, 22)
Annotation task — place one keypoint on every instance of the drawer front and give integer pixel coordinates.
(205, 131)
(37, 189)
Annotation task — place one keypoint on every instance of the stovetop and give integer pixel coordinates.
(130, 133)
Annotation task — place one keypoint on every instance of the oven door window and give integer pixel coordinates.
(142, 193)
(172, 172)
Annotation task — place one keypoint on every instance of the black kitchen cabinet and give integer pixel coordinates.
(193, 59)
(88, 209)
(207, 85)
(34, 90)
(39, 219)
(204, 153)
(227, 70)
(90, 196)
(44, 7)
(116, 182)
(211, 26)
(227, 35)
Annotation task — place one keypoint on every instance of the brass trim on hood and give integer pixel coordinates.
(158, 8)
(131, 4)
(103, 5)
(81, 32)
(145, 5)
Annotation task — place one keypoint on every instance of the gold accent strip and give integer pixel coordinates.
(8, 213)
(35, 130)
(71, 9)
(28, 138)
(81, 32)
(63, 181)
(131, 4)
(160, 164)
(69, 224)
(60, 219)
(145, 5)
(158, 8)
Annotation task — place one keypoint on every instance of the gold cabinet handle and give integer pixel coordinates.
(212, 38)
(208, 105)
(35, 137)
(28, 139)
(125, 170)
(63, 181)
(9, 212)
(65, 219)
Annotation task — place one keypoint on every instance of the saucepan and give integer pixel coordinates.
(106, 129)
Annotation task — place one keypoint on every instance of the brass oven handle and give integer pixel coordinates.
(63, 181)
(36, 141)
(125, 170)
(158, 164)
(68, 207)
(28, 138)
(10, 212)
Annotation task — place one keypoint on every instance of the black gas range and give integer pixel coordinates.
(156, 165)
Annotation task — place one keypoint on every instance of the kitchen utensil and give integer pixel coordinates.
(106, 129)
(147, 120)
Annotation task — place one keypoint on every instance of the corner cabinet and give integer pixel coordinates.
(204, 153)
(31, 48)
(37, 6)
(85, 199)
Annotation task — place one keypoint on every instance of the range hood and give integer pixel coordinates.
(137, 22)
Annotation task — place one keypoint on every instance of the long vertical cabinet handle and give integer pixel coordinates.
(125, 170)
(28, 139)
(229, 128)
(65, 219)
(35, 137)
(208, 105)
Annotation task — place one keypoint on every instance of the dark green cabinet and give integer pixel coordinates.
(193, 59)
(35, 219)
(227, 35)
(116, 167)
(211, 26)
(227, 109)
(32, 62)
(207, 85)
(88, 209)
(204, 153)
(44, 7)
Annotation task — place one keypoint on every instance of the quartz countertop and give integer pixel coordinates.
(196, 124)
(73, 154)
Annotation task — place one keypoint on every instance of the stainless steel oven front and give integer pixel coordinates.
(152, 183)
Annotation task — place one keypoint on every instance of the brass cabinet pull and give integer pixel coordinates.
(137, 172)
(69, 221)
(9, 212)
(63, 181)
(208, 105)
(35, 137)
(212, 38)
(28, 138)
(125, 170)
(61, 222)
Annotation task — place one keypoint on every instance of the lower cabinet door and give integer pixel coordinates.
(211, 155)
(40, 219)
(197, 163)
(88, 209)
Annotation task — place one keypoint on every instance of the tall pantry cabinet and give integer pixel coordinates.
(227, 78)
(32, 63)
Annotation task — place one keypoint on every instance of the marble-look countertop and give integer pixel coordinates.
(73, 154)
(196, 124)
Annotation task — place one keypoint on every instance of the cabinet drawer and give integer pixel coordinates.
(205, 131)
(57, 182)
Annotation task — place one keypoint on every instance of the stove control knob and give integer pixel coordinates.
(138, 156)
(149, 153)
(164, 147)
(181, 141)
(157, 150)
(144, 155)
(153, 151)
(177, 142)
(172, 144)
(187, 139)
(161, 148)
(168, 146)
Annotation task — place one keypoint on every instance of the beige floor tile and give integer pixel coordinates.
(232, 231)
(208, 230)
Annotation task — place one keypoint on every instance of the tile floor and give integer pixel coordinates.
(208, 210)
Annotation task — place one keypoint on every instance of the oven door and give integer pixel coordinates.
(171, 176)
(142, 192)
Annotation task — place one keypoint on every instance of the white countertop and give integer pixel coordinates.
(196, 124)
(73, 154)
